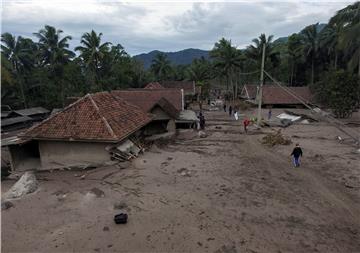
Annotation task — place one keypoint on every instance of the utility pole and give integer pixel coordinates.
(261, 85)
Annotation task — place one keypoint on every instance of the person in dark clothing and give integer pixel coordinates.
(230, 110)
(202, 121)
(224, 107)
(269, 114)
(296, 153)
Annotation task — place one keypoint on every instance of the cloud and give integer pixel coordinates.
(168, 26)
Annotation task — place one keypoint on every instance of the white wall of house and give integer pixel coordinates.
(54, 154)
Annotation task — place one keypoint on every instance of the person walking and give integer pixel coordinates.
(296, 153)
(246, 122)
(230, 110)
(224, 107)
(269, 114)
(236, 116)
(202, 121)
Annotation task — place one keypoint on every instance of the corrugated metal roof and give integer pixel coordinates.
(5, 114)
(14, 140)
(15, 120)
(32, 111)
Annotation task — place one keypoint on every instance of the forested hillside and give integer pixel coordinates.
(43, 72)
(183, 57)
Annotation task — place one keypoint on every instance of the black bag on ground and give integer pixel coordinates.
(121, 218)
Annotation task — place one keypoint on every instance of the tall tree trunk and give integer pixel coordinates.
(62, 94)
(336, 59)
(359, 64)
(232, 84)
(312, 70)
(292, 73)
(22, 93)
(227, 81)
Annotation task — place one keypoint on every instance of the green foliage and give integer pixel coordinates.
(340, 91)
(161, 67)
(46, 71)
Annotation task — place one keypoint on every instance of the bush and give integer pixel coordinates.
(340, 91)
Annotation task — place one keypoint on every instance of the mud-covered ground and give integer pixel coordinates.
(223, 193)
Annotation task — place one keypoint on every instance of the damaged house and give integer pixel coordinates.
(275, 96)
(164, 104)
(84, 133)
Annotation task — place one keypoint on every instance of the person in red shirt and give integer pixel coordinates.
(246, 123)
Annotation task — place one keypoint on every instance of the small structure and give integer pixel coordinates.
(35, 113)
(164, 104)
(15, 123)
(275, 96)
(81, 134)
(187, 119)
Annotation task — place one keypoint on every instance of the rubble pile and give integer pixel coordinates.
(276, 138)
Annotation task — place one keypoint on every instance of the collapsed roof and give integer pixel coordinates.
(95, 117)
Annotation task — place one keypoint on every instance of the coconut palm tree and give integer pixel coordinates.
(329, 41)
(199, 70)
(54, 53)
(53, 49)
(227, 59)
(92, 53)
(19, 52)
(348, 22)
(310, 37)
(294, 48)
(161, 66)
(254, 51)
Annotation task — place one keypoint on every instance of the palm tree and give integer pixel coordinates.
(226, 59)
(92, 53)
(295, 52)
(329, 40)
(18, 51)
(161, 66)
(348, 22)
(255, 51)
(199, 70)
(54, 53)
(311, 45)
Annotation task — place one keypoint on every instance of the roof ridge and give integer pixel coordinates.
(55, 114)
(111, 131)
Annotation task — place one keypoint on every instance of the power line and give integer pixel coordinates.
(336, 123)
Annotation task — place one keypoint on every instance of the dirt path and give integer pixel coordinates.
(225, 193)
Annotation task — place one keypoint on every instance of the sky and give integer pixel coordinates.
(143, 26)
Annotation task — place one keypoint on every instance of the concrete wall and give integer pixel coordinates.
(55, 154)
(171, 126)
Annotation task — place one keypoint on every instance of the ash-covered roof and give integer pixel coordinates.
(95, 117)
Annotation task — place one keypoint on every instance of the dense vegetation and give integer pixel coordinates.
(46, 71)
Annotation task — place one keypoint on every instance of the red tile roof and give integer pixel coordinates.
(187, 86)
(95, 117)
(154, 85)
(273, 94)
(147, 98)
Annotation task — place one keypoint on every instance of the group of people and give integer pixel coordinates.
(296, 153)
(246, 121)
